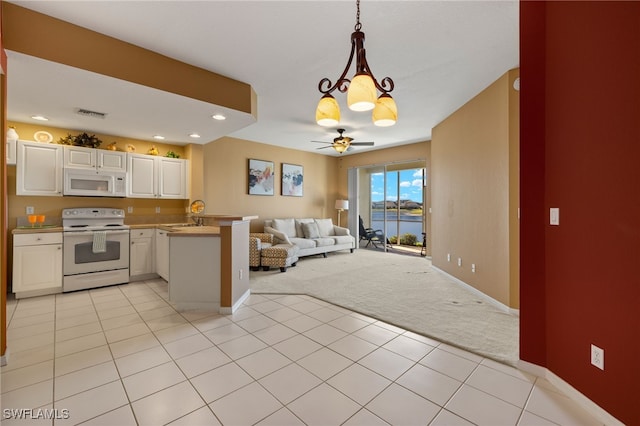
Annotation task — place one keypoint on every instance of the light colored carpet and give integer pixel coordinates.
(404, 291)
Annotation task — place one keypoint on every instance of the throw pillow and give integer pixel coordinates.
(299, 222)
(325, 227)
(286, 226)
(281, 237)
(310, 230)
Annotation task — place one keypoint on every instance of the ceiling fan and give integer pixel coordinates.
(343, 143)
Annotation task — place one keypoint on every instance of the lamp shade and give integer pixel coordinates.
(386, 112)
(342, 204)
(361, 95)
(328, 111)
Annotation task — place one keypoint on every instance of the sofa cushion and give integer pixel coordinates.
(281, 237)
(310, 230)
(325, 226)
(286, 226)
(299, 222)
(324, 242)
(343, 239)
(303, 243)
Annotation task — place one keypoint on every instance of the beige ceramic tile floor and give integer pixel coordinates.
(123, 356)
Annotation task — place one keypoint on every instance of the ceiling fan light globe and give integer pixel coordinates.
(361, 95)
(340, 147)
(328, 111)
(385, 113)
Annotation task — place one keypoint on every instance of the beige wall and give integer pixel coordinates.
(473, 192)
(226, 187)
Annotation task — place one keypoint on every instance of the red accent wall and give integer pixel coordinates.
(580, 149)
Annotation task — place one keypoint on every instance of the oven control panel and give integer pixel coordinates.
(89, 213)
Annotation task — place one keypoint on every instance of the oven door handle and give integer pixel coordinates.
(109, 232)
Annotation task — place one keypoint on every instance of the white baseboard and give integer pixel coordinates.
(229, 311)
(491, 300)
(575, 395)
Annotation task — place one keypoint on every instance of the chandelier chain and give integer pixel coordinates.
(358, 25)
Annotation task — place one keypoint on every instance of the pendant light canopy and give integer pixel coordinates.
(362, 90)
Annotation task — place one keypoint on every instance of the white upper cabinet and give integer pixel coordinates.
(156, 177)
(172, 178)
(142, 176)
(11, 151)
(76, 157)
(112, 160)
(39, 169)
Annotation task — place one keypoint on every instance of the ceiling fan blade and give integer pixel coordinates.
(362, 143)
(323, 147)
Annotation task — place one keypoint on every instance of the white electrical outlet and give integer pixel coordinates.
(473, 267)
(30, 210)
(130, 209)
(459, 261)
(448, 257)
(240, 274)
(157, 209)
(597, 357)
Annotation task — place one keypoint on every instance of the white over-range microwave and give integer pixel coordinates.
(89, 183)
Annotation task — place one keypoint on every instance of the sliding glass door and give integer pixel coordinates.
(398, 203)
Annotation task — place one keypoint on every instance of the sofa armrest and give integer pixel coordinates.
(262, 236)
(339, 230)
(280, 237)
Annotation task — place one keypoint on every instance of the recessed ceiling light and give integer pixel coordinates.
(158, 137)
(194, 135)
(40, 117)
(218, 117)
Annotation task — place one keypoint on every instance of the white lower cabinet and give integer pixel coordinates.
(162, 254)
(142, 253)
(37, 264)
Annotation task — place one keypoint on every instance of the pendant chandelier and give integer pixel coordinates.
(361, 90)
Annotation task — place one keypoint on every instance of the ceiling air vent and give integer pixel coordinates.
(88, 113)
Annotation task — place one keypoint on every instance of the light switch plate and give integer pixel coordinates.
(554, 216)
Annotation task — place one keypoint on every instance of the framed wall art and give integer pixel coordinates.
(292, 179)
(261, 177)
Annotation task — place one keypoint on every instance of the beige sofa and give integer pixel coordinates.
(311, 236)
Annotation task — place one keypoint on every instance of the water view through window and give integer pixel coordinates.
(403, 206)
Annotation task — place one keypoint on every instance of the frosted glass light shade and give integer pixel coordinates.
(340, 147)
(386, 112)
(328, 111)
(361, 95)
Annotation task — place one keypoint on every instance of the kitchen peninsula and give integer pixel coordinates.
(209, 265)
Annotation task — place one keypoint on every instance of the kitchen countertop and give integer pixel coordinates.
(181, 229)
(195, 231)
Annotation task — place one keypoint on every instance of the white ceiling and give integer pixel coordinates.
(440, 54)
